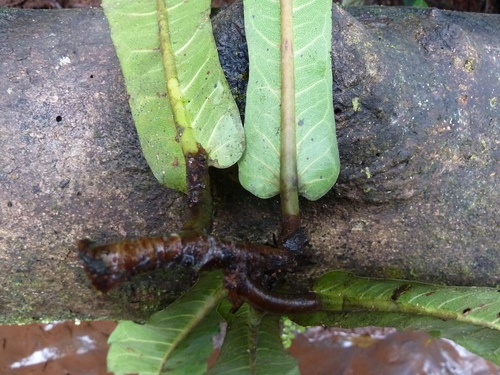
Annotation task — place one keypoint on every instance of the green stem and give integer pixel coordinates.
(185, 130)
(198, 181)
(288, 153)
(255, 318)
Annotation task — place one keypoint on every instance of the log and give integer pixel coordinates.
(417, 109)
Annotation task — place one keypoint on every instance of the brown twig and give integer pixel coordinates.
(248, 268)
(199, 193)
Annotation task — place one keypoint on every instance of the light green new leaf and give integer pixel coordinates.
(252, 345)
(470, 316)
(177, 340)
(160, 40)
(317, 154)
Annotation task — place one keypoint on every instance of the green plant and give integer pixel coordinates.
(415, 3)
(187, 121)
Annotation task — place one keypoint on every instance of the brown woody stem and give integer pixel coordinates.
(199, 217)
(266, 300)
(246, 266)
(109, 265)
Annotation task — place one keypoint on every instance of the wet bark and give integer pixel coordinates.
(417, 108)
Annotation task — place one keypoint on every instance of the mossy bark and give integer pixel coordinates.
(417, 106)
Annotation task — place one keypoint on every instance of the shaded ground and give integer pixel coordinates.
(480, 6)
(80, 349)
(374, 351)
(50, 4)
(57, 348)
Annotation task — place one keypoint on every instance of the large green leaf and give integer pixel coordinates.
(160, 40)
(470, 316)
(177, 340)
(317, 153)
(252, 345)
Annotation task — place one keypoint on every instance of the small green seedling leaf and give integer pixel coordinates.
(470, 316)
(252, 345)
(316, 152)
(415, 3)
(178, 93)
(177, 340)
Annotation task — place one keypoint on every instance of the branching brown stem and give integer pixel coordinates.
(250, 270)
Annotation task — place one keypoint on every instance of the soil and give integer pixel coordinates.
(371, 350)
(76, 348)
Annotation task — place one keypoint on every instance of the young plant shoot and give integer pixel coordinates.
(291, 146)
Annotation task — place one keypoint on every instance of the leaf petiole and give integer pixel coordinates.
(288, 148)
(188, 140)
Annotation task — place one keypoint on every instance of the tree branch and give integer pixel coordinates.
(417, 110)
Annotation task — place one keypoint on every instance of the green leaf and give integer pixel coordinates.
(317, 153)
(252, 345)
(171, 40)
(177, 340)
(470, 316)
(415, 3)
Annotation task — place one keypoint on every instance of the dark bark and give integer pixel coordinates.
(417, 196)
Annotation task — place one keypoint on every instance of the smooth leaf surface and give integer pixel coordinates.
(153, 37)
(317, 154)
(252, 345)
(177, 340)
(470, 316)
